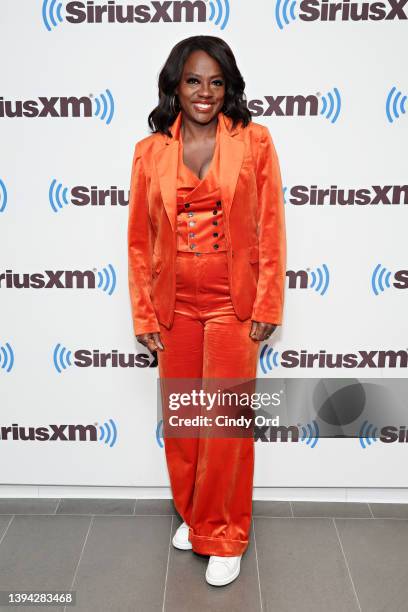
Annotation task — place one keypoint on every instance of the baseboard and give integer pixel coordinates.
(322, 494)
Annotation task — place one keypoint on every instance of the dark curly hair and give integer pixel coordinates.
(163, 115)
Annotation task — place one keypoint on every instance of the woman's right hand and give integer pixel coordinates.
(151, 341)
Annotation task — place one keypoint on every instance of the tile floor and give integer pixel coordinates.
(116, 554)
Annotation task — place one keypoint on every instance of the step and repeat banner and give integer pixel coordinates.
(78, 394)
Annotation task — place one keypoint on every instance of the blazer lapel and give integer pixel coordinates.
(231, 158)
(232, 149)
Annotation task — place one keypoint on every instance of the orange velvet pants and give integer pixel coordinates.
(211, 478)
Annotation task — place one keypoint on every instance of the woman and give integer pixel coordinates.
(207, 255)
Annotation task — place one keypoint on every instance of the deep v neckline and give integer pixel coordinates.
(211, 162)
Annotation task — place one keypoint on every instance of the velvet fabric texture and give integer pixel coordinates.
(203, 302)
(211, 478)
(253, 215)
(200, 223)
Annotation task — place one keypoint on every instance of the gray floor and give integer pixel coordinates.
(117, 556)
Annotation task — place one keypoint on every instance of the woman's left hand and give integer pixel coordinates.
(261, 331)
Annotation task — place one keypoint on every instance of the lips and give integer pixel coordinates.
(203, 107)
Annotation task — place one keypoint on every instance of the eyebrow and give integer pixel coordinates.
(211, 77)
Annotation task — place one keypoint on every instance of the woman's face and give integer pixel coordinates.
(201, 89)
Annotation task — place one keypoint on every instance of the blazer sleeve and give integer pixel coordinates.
(140, 242)
(269, 300)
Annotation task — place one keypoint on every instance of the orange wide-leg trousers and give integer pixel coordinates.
(211, 478)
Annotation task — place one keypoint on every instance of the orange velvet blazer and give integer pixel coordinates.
(253, 215)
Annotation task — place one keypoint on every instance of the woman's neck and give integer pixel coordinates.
(191, 130)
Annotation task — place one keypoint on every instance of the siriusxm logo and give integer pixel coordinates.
(63, 358)
(59, 196)
(327, 105)
(374, 195)
(308, 433)
(317, 279)
(382, 279)
(395, 104)
(106, 433)
(287, 11)
(3, 196)
(101, 107)
(388, 434)
(6, 357)
(55, 12)
(271, 359)
(104, 279)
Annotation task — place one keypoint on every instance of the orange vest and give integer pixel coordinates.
(200, 227)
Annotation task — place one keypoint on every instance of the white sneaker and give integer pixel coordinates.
(222, 570)
(180, 538)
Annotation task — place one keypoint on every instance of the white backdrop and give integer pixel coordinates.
(52, 160)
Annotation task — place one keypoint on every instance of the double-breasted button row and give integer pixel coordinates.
(192, 223)
(215, 234)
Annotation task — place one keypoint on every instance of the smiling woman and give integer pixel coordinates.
(201, 94)
(207, 255)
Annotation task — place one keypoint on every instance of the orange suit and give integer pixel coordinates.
(252, 197)
(202, 247)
